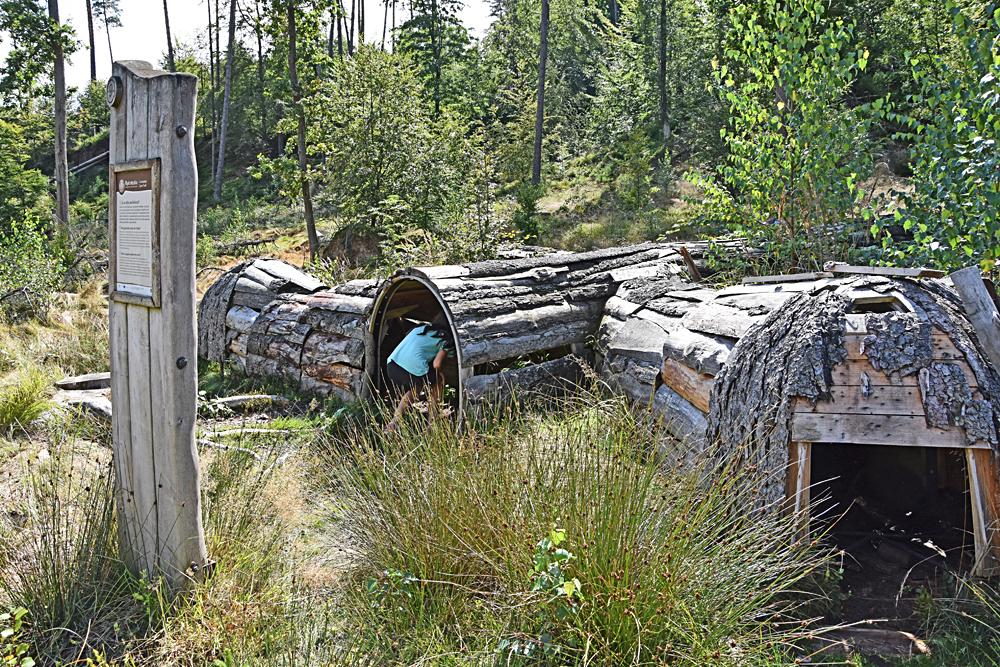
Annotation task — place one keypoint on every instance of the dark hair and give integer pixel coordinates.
(438, 327)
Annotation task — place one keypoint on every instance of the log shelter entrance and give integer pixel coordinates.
(899, 515)
(907, 487)
(407, 302)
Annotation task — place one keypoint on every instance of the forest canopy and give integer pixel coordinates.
(838, 129)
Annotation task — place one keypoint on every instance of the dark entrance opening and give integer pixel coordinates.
(406, 304)
(901, 515)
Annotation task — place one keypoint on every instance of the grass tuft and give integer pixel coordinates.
(24, 399)
(562, 539)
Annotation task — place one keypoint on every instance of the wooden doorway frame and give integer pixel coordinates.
(982, 482)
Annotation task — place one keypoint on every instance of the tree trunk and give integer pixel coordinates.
(217, 192)
(543, 54)
(218, 50)
(329, 32)
(107, 30)
(211, 90)
(300, 112)
(265, 115)
(436, 55)
(613, 11)
(361, 23)
(385, 23)
(340, 29)
(93, 46)
(350, 27)
(661, 81)
(171, 65)
(61, 170)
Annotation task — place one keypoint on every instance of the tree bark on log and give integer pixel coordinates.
(544, 379)
(501, 309)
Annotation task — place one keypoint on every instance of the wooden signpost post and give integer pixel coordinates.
(153, 183)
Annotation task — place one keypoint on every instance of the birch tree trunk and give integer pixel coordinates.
(211, 91)
(301, 114)
(543, 54)
(221, 164)
(61, 170)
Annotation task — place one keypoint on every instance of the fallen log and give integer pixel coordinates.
(269, 319)
(548, 378)
(536, 308)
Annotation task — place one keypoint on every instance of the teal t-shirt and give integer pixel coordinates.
(417, 350)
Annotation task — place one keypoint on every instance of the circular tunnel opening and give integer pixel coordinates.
(405, 303)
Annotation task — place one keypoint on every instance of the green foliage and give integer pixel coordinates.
(33, 39)
(435, 40)
(22, 190)
(797, 151)
(953, 212)
(13, 651)
(31, 269)
(391, 168)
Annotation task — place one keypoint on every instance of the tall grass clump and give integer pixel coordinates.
(562, 540)
(964, 628)
(23, 399)
(59, 556)
(252, 609)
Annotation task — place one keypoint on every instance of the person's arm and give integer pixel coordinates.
(439, 359)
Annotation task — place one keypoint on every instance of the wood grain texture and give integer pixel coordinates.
(694, 387)
(880, 400)
(984, 486)
(863, 429)
(154, 350)
(980, 310)
(851, 373)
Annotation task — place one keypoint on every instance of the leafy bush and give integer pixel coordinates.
(22, 190)
(954, 211)
(31, 269)
(645, 564)
(797, 151)
(14, 652)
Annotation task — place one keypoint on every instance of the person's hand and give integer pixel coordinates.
(439, 360)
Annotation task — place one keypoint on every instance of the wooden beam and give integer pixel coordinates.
(798, 479)
(899, 430)
(881, 400)
(787, 278)
(984, 492)
(850, 374)
(693, 386)
(942, 349)
(980, 309)
(842, 267)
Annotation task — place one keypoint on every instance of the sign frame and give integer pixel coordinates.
(114, 170)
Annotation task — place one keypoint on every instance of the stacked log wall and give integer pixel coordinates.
(282, 323)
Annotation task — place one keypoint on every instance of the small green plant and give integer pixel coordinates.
(14, 651)
(390, 587)
(551, 563)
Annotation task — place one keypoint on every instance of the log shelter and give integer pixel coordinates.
(862, 370)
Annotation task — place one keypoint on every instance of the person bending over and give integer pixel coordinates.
(414, 367)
